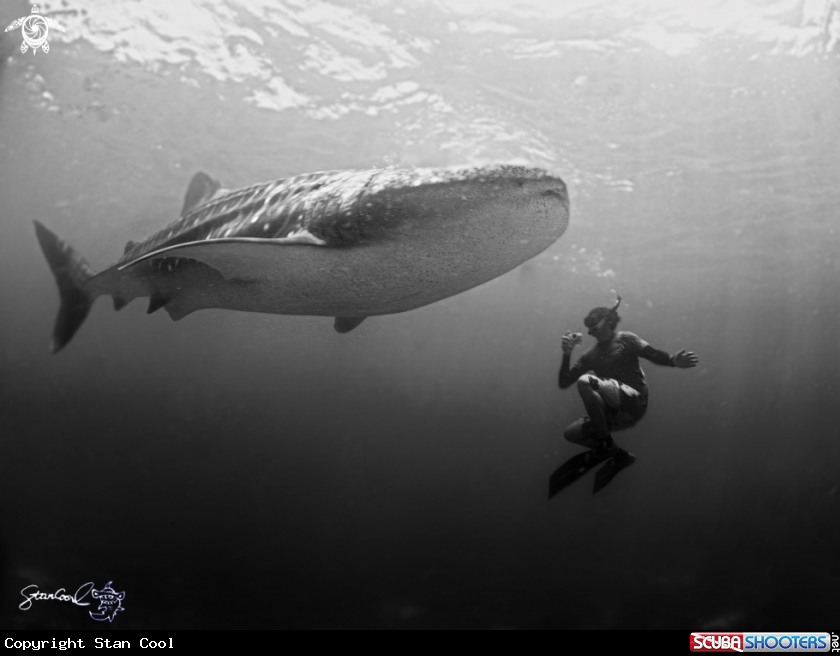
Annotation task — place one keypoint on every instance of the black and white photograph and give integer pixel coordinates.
(420, 315)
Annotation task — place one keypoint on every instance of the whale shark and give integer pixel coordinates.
(344, 244)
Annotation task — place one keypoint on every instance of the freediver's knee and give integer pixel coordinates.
(584, 384)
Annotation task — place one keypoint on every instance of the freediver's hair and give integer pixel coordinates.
(598, 313)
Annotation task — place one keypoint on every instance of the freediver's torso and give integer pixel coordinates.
(618, 358)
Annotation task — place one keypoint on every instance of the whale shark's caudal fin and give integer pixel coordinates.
(201, 189)
(71, 272)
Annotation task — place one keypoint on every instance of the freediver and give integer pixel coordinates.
(616, 395)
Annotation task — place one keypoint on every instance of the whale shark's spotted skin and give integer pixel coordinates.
(282, 209)
(348, 244)
(323, 209)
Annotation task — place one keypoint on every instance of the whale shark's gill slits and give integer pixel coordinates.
(331, 207)
(344, 228)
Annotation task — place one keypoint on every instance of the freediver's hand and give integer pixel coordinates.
(570, 340)
(685, 360)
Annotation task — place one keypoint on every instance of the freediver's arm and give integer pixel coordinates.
(569, 375)
(682, 360)
(656, 356)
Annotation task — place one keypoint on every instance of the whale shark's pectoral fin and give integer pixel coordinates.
(236, 258)
(346, 324)
(201, 189)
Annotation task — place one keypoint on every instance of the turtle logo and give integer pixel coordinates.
(110, 603)
(35, 28)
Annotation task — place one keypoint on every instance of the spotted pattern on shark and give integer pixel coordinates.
(327, 208)
(288, 208)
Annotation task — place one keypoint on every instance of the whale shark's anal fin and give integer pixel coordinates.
(346, 324)
(201, 189)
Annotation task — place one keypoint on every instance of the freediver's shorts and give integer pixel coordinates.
(624, 406)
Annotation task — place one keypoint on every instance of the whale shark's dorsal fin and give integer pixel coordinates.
(200, 190)
(346, 324)
(129, 245)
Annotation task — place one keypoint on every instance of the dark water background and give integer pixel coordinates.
(244, 470)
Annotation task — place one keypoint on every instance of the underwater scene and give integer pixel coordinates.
(331, 401)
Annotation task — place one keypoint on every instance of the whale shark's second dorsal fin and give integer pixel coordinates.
(201, 189)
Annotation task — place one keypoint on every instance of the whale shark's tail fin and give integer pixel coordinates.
(71, 272)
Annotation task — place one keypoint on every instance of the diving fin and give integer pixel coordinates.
(610, 470)
(573, 469)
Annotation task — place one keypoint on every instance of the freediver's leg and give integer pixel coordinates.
(580, 432)
(587, 388)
